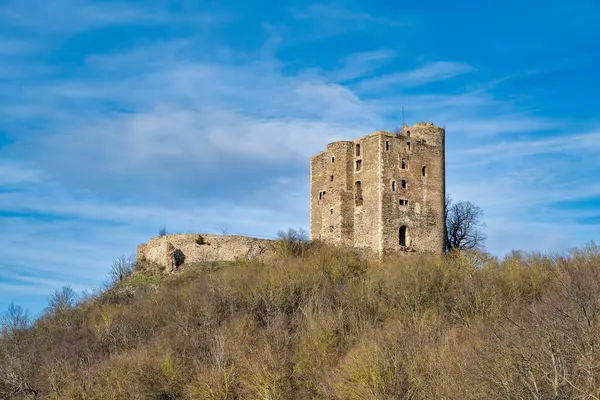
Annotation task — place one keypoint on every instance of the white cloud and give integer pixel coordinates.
(361, 64)
(13, 173)
(331, 13)
(11, 47)
(223, 139)
(558, 144)
(71, 16)
(532, 236)
(428, 73)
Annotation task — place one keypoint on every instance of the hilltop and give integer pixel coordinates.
(323, 323)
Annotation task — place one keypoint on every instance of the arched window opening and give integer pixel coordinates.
(357, 150)
(403, 239)
(404, 163)
(332, 159)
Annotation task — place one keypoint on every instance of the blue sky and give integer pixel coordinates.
(118, 118)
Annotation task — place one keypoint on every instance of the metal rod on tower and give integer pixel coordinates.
(402, 118)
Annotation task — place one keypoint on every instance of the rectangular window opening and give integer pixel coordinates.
(332, 159)
(393, 186)
(358, 150)
(403, 163)
(331, 178)
(331, 211)
(387, 145)
(358, 197)
(358, 165)
(404, 184)
(424, 170)
(408, 146)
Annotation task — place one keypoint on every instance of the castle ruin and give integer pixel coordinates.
(384, 191)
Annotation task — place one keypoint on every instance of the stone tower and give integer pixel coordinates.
(383, 191)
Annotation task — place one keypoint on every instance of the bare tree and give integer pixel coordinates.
(14, 319)
(464, 223)
(121, 268)
(17, 355)
(293, 242)
(61, 300)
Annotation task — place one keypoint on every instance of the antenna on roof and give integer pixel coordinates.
(402, 118)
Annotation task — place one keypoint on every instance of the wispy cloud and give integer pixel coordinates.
(203, 129)
(11, 47)
(319, 22)
(428, 73)
(332, 13)
(361, 64)
(68, 16)
(13, 173)
(581, 143)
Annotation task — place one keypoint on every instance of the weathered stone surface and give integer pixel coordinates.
(402, 184)
(171, 252)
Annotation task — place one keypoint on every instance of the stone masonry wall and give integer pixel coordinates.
(367, 215)
(174, 251)
(375, 216)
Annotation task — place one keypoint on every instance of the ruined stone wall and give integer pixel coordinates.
(171, 252)
(432, 155)
(318, 169)
(367, 216)
(395, 154)
(331, 194)
(373, 218)
(412, 196)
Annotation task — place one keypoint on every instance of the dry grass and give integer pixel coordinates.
(327, 324)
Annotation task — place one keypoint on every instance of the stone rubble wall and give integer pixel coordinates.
(171, 252)
(384, 191)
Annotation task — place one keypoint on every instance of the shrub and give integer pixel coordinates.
(323, 323)
(61, 301)
(293, 243)
(200, 240)
(121, 268)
